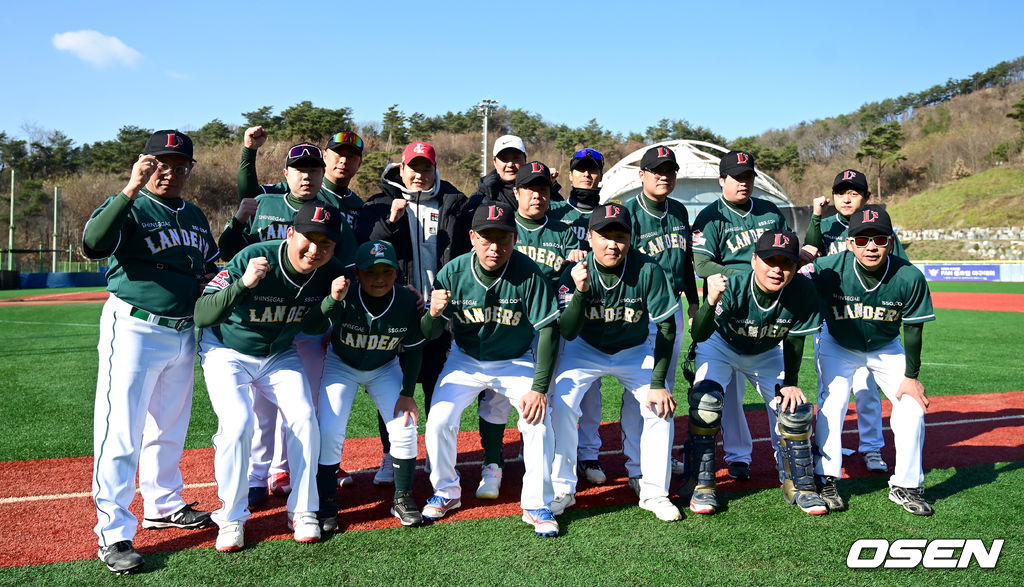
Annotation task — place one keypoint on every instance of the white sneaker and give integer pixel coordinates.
(305, 525)
(231, 537)
(874, 462)
(591, 471)
(662, 507)
(490, 482)
(386, 473)
(561, 503)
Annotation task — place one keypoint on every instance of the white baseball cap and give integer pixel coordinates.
(509, 142)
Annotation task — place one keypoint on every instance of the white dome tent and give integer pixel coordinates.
(697, 183)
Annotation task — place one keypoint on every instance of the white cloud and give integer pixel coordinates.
(176, 75)
(96, 48)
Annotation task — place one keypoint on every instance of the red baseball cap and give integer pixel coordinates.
(419, 149)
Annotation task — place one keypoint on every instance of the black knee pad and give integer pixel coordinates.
(796, 425)
(706, 399)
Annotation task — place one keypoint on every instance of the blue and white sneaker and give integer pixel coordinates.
(438, 506)
(543, 522)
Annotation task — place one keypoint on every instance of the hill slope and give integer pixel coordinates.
(991, 198)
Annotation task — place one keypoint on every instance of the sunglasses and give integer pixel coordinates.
(179, 170)
(583, 153)
(305, 150)
(862, 241)
(347, 138)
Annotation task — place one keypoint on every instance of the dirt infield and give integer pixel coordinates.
(47, 502)
(989, 302)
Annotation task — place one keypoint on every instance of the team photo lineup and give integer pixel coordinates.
(517, 298)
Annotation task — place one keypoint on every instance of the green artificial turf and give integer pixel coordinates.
(756, 540)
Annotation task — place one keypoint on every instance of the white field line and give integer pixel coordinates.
(9, 500)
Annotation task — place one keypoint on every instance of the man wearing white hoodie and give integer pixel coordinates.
(427, 220)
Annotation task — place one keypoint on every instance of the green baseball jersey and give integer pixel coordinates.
(496, 322)
(616, 316)
(274, 214)
(577, 219)
(664, 236)
(160, 255)
(729, 237)
(751, 328)
(547, 244)
(265, 320)
(343, 199)
(867, 318)
(366, 341)
(834, 230)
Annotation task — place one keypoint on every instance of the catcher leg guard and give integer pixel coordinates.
(706, 399)
(797, 462)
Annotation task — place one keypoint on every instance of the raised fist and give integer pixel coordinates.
(255, 137)
(255, 271)
(439, 301)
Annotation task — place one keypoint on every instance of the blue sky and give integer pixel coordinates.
(88, 68)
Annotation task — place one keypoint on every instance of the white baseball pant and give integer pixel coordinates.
(836, 367)
(233, 379)
(869, 404)
(462, 379)
(143, 404)
(582, 364)
(340, 385)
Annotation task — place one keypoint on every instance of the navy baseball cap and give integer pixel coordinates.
(494, 215)
(319, 216)
(305, 155)
(533, 172)
(779, 242)
(169, 142)
(735, 163)
(657, 155)
(870, 217)
(372, 253)
(850, 178)
(611, 215)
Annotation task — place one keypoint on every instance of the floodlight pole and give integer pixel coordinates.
(485, 106)
(56, 200)
(10, 229)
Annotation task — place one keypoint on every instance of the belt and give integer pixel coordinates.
(175, 323)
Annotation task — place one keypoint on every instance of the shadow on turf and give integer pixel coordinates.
(968, 478)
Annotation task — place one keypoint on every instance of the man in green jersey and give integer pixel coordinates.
(753, 324)
(161, 254)
(495, 299)
(607, 300)
(867, 293)
(724, 235)
(371, 323)
(827, 236)
(343, 156)
(250, 313)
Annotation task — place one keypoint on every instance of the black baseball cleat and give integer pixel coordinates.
(829, 492)
(739, 470)
(121, 558)
(912, 500)
(404, 508)
(186, 518)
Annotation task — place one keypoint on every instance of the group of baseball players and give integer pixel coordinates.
(516, 297)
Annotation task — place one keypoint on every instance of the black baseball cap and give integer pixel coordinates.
(779, 242)
(376, 252)
(870, 217)
(657, 155)
(587, 156)
(533, 172)
(319, 216)
(851, 178)
(611, 215)
(169, 142)
(494, 215)
(345, 139)
(305, 155)
(735, 163)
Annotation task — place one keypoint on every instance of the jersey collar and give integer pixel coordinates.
(727, 206)
(753, 296)
(643, 206)
(524, 227)
(597, 273)
(157, 201)
(472, 268)
(367, 310)
(280, 263)
(880, 279)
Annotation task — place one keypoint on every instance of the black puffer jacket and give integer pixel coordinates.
(453, 220)
(491, 188)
